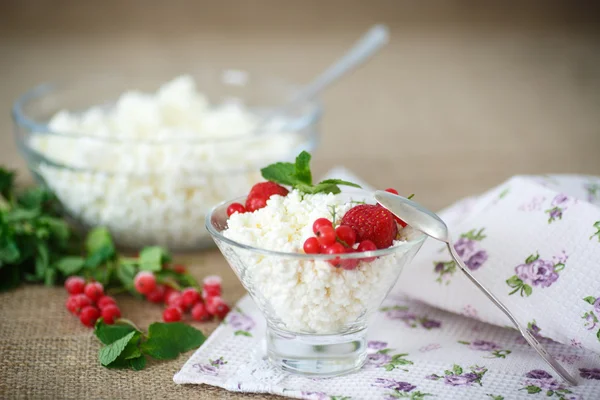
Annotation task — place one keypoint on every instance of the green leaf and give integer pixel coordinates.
(531, 389)
(242, 333)
(590, 299)
(70, 265)
(152, 258)
(132, 349)
(111, 352)
(41, 261)
(58, 228)
(320, 188)
(99, 256)
(97, 239)
(463, 342)
(302, 168)
(108, 334)
(457, 369)
(283, 173)
(167, 340)
(527, 290)
(138, 364)
(50, 277)
(549, 393)
(7, 179)
(598, 334)
(21, 214)
(389, 367)
(339, 182)
(532, 258)
(9, 252)
(514, 281)
(35, 197)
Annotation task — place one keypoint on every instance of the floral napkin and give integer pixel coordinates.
(535, 241)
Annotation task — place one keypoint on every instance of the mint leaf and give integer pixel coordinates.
(531, 389)
(302, 168)
(152, 258)
(126, 274)
(111, 352)
(340, 182)
(41, 261)
(108, 334)
(9, 253)
(325, 188)
(282, 172)
(137, 364)
(590, 299)
(99, 257)
(70, 265)
(97, 239)
(167, 340)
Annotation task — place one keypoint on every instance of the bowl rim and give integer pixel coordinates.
(22, 119)
(302, 256)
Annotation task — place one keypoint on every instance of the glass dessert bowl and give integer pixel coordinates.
(317, 306)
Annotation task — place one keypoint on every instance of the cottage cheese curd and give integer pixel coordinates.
(304, 295)
(150, 166)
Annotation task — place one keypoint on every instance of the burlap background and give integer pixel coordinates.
(466, 95)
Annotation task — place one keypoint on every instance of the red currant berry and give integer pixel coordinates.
(235, 208)
(75, 284)
(326, 235)
(256, 202)
(89, 315)
(366, 245)
(392, 191)
(94, 290)
(346, 234)
(212, 303)
(174, 299)
(321, 222)
(79, 302)
(335, 248)
(190, 297)
(144, 282)
(168, 291)
(211, 286)
(312, 246)
(110, 313)
(349, 263)
(200, 313)
(172, 314)
(105, 301)
(72, 303)
(179, 269)
(157, 295)
(221, 310)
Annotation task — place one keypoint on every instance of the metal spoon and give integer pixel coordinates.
(432, 225)
(365, 47)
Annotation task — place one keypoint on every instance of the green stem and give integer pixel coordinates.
(129, 322)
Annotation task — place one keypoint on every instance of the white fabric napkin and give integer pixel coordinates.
(418, 351)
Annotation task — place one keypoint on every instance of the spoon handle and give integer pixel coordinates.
(533, 342)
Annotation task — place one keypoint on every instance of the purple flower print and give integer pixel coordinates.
(430, 323)
(554, 214)
(460, 380)
(537, 273)
(560, 200)
(597, 306)
(548, 384)
(538, 374)
(483, 345)
(378, 359)
(376, 345)
(240, 321)
(590, 373)
(464, 247)
(393, 384)
(476, 260)
(315, 395)
(207, 369)
(590, 321)
(218, 362)
(439, 267)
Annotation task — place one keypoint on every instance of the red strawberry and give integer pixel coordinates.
(261, 192)
(371, 222)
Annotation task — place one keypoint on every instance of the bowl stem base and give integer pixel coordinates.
(317, 355)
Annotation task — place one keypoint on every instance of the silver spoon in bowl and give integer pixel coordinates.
(432, 225)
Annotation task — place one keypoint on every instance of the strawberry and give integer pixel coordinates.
(261, 192)
(372, 222)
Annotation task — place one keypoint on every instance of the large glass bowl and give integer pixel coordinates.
(159, 190)
(317, 314)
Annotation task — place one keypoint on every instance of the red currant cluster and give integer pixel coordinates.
(257, 198)
(201, 306)
(340, 240)
(88, 302)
